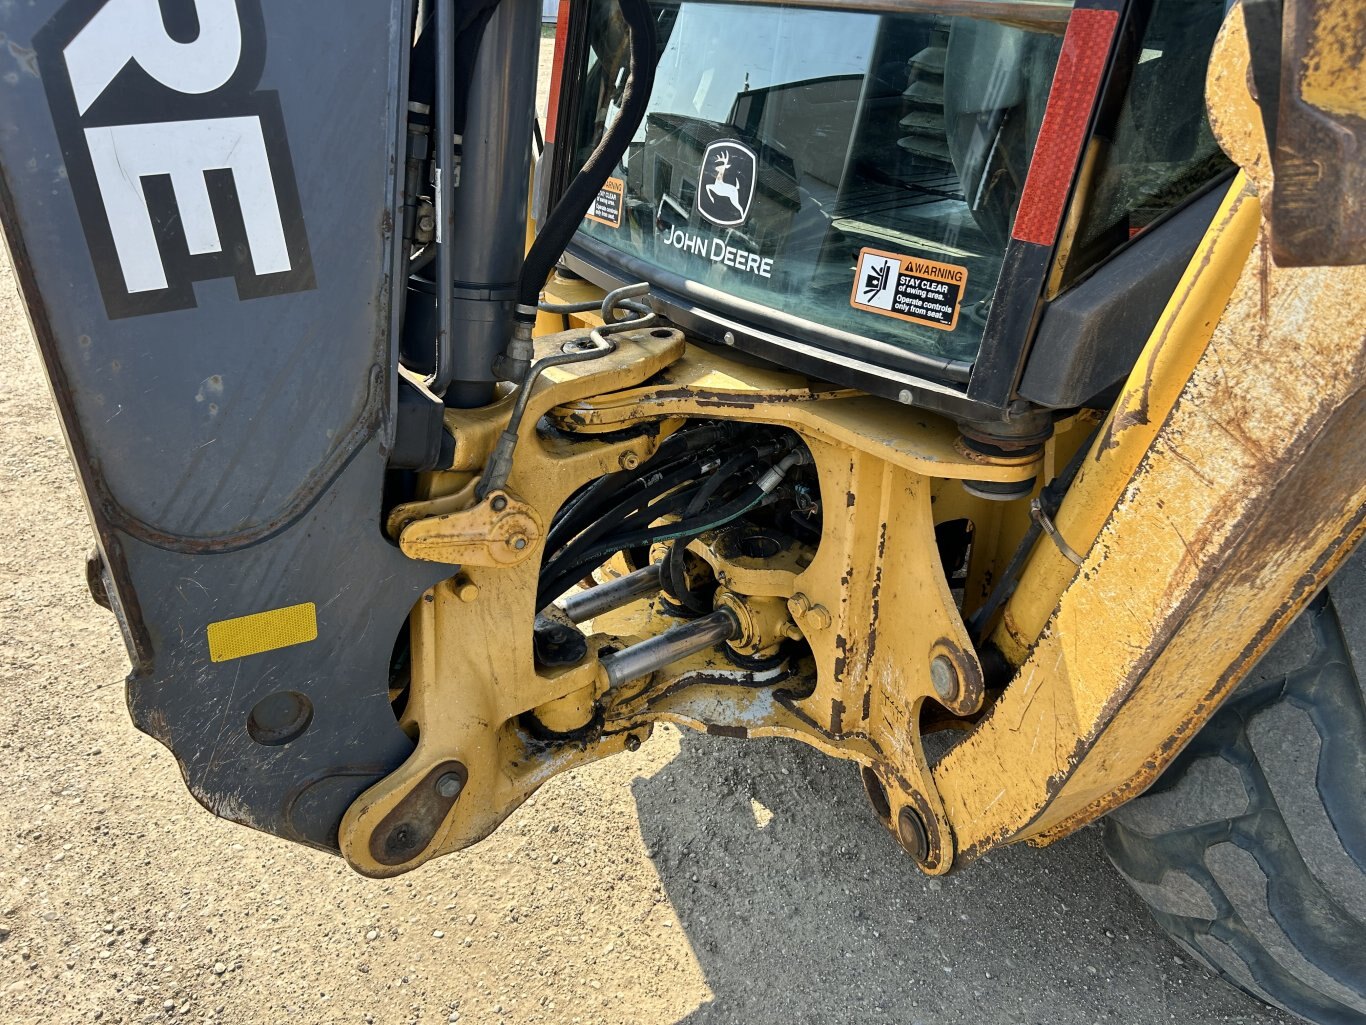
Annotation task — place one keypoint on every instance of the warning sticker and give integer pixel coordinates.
(606, 208)
(909, 288)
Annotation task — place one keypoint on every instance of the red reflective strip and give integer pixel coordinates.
(1076, 84)
(552, 115)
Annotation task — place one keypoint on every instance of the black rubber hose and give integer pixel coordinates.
(665, 505)
(625, 498)
(664, 532)
(586, 503)
(555, 572)
(628, 507)
(582, 508)
(591, 502)
(675, 571)
(751, 498)
(564, 220)
(592, 505)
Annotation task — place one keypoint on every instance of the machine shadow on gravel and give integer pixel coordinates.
(800, 908)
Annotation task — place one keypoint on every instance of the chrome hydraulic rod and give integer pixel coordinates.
(677, 642)
(443, 367)
(595, 601)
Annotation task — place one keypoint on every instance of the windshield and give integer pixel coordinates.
(860, 171)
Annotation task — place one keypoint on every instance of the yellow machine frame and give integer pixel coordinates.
(1222, 489)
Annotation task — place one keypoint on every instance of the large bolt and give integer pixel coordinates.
(450, 784)
(629, 461)
(518, 542)
(944, 676)
(816, 617)
(499, 503)
(910, 830)
(467, 591)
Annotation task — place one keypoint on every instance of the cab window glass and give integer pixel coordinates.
(858, 170)
(1163, 150)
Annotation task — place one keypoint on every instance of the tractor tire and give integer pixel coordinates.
(1250, 849)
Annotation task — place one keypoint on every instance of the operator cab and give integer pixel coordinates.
(862, 196)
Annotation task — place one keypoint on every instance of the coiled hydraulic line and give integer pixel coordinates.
(691, 493)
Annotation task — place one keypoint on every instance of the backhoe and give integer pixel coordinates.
(970, 389)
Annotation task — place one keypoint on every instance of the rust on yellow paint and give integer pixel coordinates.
(1176, 343)
(1233, 111)
(1224, 486)
(1251, 492)
(884, 466)
(1333, 75)
(1238, 494)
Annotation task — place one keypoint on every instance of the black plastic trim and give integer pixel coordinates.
(711, 315)
(1091, 335)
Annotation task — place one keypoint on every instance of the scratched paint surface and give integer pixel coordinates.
(1285, 356)
(1014, 939)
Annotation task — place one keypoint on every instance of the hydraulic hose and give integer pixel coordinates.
(675, 570)
(631, 504)
(563, 221)
(591, 507)
(593, 558)
(598, 500)
(591, 503)
(747, 501)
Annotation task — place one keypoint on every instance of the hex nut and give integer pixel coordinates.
(450, 784)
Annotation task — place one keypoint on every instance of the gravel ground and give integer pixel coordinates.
(698, 880)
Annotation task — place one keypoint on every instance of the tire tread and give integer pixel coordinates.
(1276, 910)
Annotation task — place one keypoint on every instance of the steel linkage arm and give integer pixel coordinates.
(1224, 490)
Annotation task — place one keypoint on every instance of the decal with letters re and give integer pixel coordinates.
(179, 165)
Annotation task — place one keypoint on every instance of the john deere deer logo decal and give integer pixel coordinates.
(731, 167)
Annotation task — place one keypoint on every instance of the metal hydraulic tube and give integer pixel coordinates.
(595, 601)
(488, 212)
(677, 642)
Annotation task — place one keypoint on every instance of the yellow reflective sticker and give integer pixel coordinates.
(262, 631)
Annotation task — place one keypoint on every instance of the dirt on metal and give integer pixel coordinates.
(698, 879)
